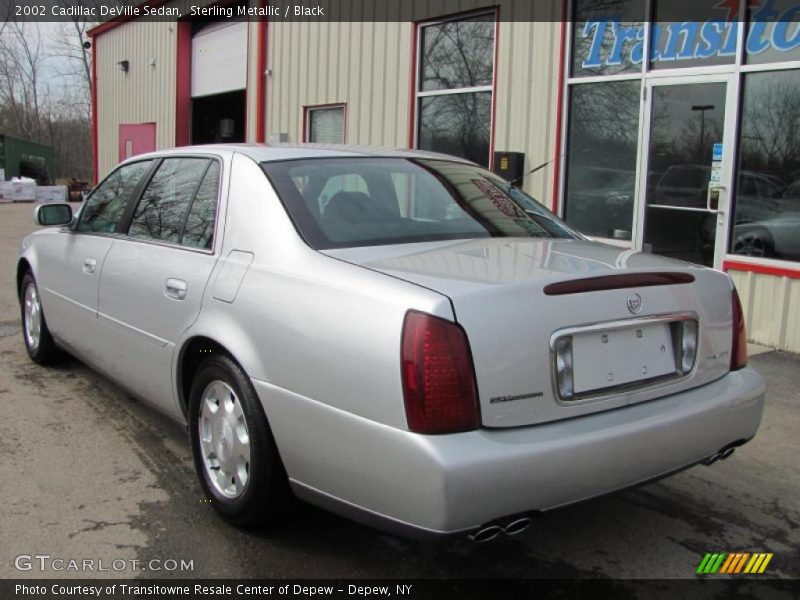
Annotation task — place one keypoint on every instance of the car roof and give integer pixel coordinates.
(278, 152)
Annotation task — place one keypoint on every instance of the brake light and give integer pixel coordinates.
(739, 347)
(438, 376)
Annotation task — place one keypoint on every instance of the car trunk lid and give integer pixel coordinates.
(621, 310)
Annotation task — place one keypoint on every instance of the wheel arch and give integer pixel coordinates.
(195, 349)
(191, 356)
(23, 266)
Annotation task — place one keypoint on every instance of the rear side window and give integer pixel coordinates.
(165, 202)
(199, 229)
(106, 206)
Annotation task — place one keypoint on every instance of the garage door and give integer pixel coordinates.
(219, 59)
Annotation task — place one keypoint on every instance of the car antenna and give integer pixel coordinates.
(538, 168)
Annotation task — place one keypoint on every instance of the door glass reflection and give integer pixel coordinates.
(686, 122)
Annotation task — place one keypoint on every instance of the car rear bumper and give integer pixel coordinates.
(432, 485)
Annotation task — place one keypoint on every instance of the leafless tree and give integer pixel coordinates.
(45, 83)
(24, 93)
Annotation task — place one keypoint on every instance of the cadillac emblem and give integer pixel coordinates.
(635, 303)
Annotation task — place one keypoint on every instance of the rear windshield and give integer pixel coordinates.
(347, 202)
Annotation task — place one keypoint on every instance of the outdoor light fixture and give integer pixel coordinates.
(124, 65)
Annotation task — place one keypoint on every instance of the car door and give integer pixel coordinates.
(153, 279)
(72, 258)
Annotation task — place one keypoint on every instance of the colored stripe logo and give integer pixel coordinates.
(732, 563)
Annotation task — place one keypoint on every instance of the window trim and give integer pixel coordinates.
(309, 108)
(416, 55)
(132, 207)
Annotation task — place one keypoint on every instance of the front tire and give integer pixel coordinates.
(234, 451)
(38, 341)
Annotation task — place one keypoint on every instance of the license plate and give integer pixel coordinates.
(613, 357)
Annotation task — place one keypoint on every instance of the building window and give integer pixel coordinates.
(601, 165)
(454, 90)
(325, 124)
(766, 214)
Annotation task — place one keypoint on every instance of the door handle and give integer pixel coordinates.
(713, 198)
(89, 265)
(175, 288)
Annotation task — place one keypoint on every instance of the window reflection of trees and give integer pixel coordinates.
(767, 204)
(161, 211)
(457, 124)
(678, 138)
(107, 203)
(199, 229)
(771, 125)
(601, 160)
(457, 55)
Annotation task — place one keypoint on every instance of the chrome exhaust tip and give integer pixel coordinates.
(721, 455)
(517, 526)
(510, 528)
(485, 534)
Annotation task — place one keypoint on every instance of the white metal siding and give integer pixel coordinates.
(368, 67)
(363, 65)
(142, 95)
(770, 307)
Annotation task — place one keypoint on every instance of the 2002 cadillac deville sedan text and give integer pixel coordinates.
(401, 337)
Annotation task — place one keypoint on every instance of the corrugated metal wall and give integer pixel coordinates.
(770, 306)
(365, 65)
(142, 95)
(368, 66)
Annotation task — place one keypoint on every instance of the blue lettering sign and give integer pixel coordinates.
(756, 42)
(780, 34)
(615, 44)
(622, 35)
(711, 39)
(595, 59)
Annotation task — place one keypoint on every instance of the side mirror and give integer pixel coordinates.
(52, 214)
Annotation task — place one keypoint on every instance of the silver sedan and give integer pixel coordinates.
(401, 337)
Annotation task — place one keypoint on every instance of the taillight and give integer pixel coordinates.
(438, 376)
(739, 347)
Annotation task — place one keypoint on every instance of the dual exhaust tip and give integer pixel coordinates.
(510, 528)
(723, 453)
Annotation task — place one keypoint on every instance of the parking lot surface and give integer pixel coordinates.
(89, 473)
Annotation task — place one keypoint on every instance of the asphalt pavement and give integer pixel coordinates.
(88, 473)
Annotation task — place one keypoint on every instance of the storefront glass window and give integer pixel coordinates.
(601, 165)
(773, 33)
(688, 33)
(766, 216)
(454, 96)
(607, 37)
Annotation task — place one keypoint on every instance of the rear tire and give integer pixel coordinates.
(234, 450)
(38, 341)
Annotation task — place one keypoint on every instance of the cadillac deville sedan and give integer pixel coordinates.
(400, 337)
